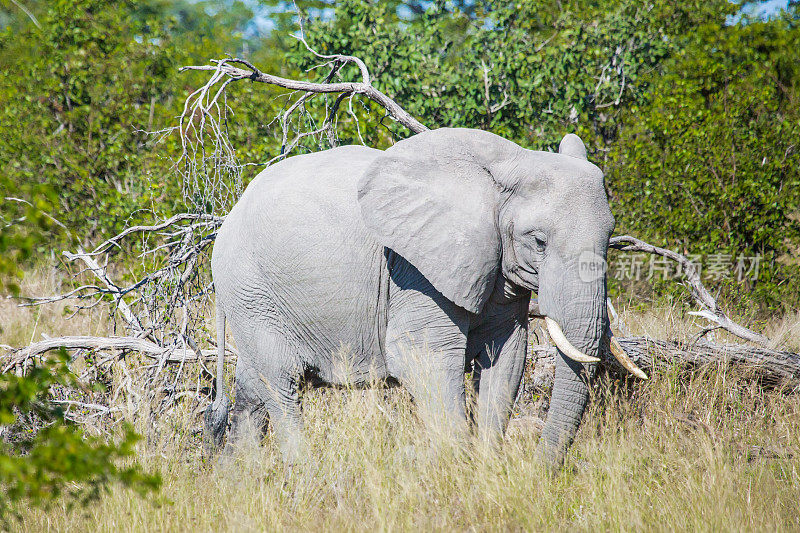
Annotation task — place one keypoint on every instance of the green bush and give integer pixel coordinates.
(693, 117)
(52, 457)
(86, 84)
(710, 164)
(692, 114)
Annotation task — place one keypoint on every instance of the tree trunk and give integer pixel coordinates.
(775, 368)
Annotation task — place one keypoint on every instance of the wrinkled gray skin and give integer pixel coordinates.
(409, 265)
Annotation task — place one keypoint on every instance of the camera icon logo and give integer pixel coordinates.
(591, 266)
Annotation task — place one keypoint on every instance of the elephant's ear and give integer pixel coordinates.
(572, 145)
(431, 199)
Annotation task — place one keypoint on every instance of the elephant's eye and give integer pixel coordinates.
(534, 239)
(539, 243)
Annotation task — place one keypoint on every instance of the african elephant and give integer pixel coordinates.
(355, 264)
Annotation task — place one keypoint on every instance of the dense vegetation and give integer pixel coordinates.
(692, 109)
(693, 116)
(695, 119)
(49, 455)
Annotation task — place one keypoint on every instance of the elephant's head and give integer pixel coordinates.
(466, 205)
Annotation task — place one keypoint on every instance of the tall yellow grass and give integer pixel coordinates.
(706, 451)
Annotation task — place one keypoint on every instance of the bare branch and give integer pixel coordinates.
(27, 12)
(343, 59)
(83, 342)
(83, 405)
(225, 66)
(100, 273)
(710, 309)
(210, 220)
(617, 321)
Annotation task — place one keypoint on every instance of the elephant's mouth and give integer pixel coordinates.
(525, 279)
(515, 271)
(525, 276)
(566, 347)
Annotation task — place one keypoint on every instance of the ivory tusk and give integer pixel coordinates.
(623, 358)
(561, 342)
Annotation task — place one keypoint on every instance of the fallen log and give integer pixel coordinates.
(776, 368)
(773, 367)
(122, 344)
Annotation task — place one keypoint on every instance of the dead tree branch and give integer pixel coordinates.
(208, 165)
(775, 368)
(225, 67)
(131, 320)
(172, 277)
(122, 344)
(709, 308)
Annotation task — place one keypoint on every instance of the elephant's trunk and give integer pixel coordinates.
(581, 313)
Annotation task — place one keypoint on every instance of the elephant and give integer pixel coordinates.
(411, 266)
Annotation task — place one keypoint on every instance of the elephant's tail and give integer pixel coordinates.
(216, 415)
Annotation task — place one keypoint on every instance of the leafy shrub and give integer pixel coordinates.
(57, 459)
(693, 116)
(710, 164)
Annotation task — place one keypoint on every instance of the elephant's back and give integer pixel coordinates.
(304, 211)
(296, 240)
(322, 184)
(310, 197)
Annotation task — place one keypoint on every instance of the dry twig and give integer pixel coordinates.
(709, 308)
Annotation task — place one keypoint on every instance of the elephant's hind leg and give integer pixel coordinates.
(267, 382)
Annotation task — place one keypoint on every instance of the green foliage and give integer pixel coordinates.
(16, 246)
(59, 459)
(573, 67)
(710, 163)
(87, 79)
(81, 85)
(693, 118)
(528, 70)
(88, 82)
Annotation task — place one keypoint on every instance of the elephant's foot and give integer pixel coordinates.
(215, 424)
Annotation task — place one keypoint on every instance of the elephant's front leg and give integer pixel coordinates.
(501, 345)
(426, 340)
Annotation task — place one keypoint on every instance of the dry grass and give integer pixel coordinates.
(20, 326)
(708, 452)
